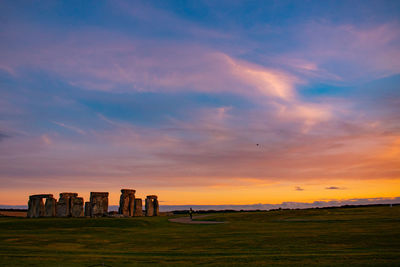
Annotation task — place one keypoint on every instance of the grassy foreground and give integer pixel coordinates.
(352, 236)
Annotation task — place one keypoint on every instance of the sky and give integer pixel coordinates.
(201, 102)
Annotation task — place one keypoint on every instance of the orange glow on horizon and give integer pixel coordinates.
(245, 194)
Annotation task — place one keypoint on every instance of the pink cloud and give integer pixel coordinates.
(298, 140)
(124, 64)
(70, 127)
(217, 140)
(218, 151)
(361, 53)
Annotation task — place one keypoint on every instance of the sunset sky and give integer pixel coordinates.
(200, 102)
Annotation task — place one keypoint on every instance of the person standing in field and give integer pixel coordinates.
(191, 213)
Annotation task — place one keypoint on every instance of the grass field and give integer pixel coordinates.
(344, 236)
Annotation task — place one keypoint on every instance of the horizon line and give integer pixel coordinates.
(266, 206)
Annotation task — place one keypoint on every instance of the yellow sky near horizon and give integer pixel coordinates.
(381, 160)
(225, 110)
(243, 193)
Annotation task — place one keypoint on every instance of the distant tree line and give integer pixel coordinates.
(258, 210)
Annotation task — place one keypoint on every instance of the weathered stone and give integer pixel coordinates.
(87, 209)
(156, 207)
(68, 194)
(128, 191)
(70, 204)
(138, 207)
(63, 207)
(77, 207)
(132, 205)
(50, 207)
(41, 196)
(152, 206)
(127, 202)
(99, 204)
(149, 207)
(65, 204)
(35, 207)
(124, 205)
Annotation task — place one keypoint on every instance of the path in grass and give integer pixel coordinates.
(188, 220)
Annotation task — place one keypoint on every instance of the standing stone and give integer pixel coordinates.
(36, 206)
(65, 204)
(62, 207)
(149, 206)
(29, 214)
(138, 210)
(132, 205)
(77, 207)
(124, 205)
(127, 202)
(99, 204)
(152, 206)
(87, 209)
(156, 208)
(50, 207)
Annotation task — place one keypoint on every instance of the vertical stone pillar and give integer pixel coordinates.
(132, 205)
(138, 210)
(65, 204)
(99, 204)
(149, 207)
(36, 206)
(29, 214)
(50, 207)
(88, 209)
(127, 202)
(77, 207)
(62, 207)
(156, 207)
(152, 206)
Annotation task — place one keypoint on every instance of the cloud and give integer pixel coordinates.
(46, 139)
(104, 75)
(348, 51)
(120, 64)
(153, 17)
(298, 188)
(69, 127)
(334, 188)
(268, 82)
(129, 65)
(220, 137)
(7, 69)
(3, 136)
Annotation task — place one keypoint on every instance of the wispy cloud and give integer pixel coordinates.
(330, 45)
(3, 136)
(154, 17)
(166, 100)
(125, 65)
(69, 127)
(334, 188)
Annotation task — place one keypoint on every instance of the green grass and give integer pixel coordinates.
(350, 237)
